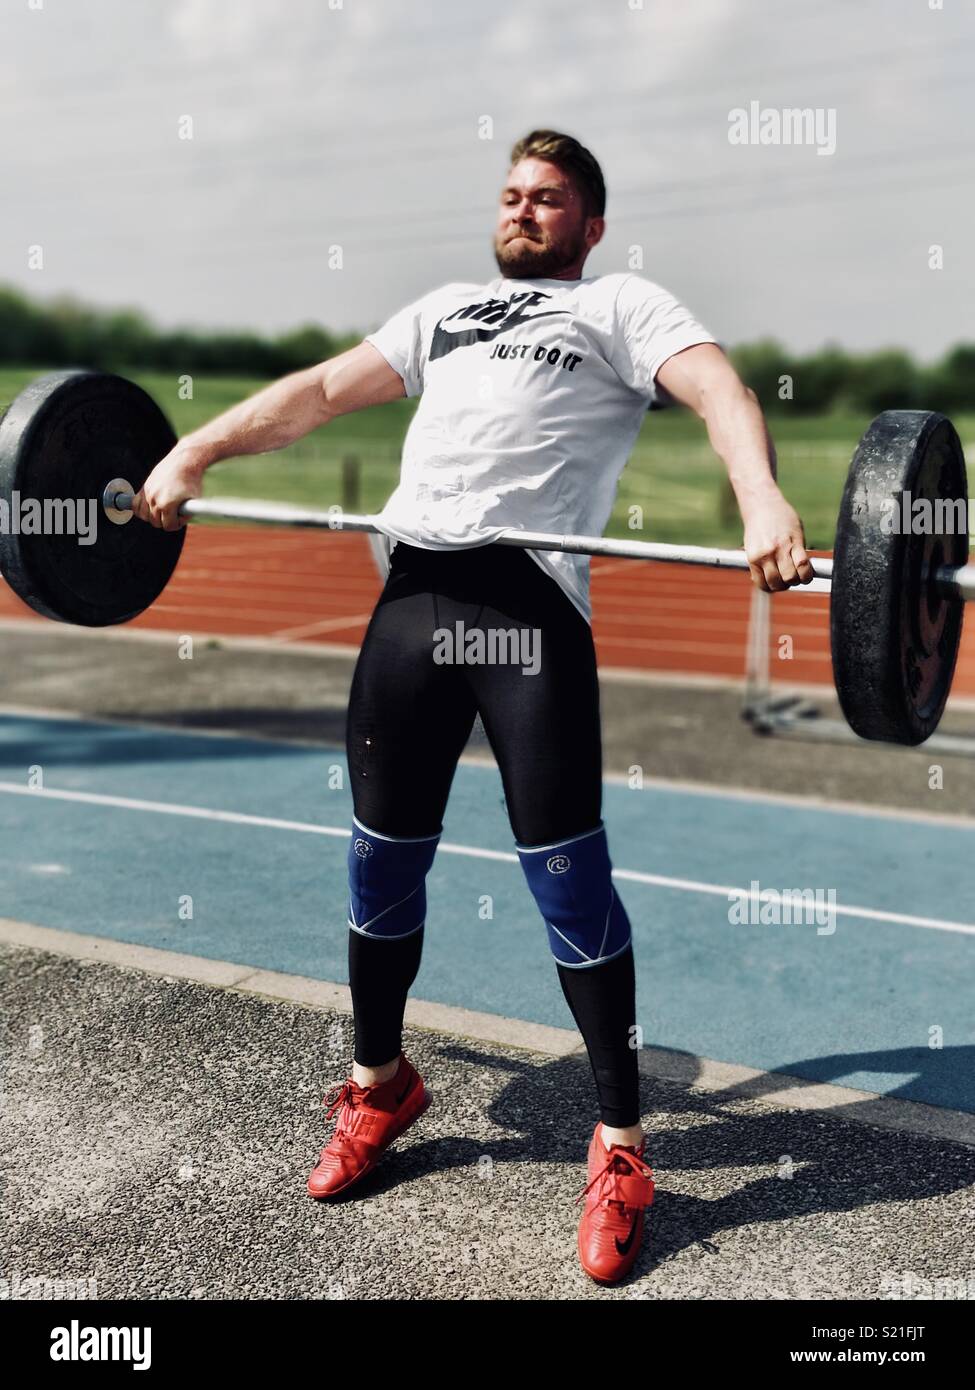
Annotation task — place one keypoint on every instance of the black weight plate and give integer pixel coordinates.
(894, 633)
(68, 435)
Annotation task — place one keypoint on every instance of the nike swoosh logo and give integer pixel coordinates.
(623, 1247)
(513, 320)
(467, 332)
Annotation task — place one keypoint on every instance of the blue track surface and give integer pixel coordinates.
(855, 1006)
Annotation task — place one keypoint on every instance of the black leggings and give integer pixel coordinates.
(409, 720)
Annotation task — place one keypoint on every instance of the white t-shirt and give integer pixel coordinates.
(533, 394)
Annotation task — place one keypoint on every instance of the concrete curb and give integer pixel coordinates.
(724, 1080)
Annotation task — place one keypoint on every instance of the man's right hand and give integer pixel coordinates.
(173, 481)
(271, 419)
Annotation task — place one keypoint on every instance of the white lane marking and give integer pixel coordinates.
(684, 885)
(689, 885)
(293, 634)
(803, 802)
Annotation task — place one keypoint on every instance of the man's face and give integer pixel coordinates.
(542, 230)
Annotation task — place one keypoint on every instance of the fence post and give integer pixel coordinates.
(757, 687)
(351, 476)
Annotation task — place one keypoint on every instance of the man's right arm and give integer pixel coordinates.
(286, 410)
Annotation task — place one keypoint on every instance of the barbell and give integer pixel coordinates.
(83, 442)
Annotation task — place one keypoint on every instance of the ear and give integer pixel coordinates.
(595, 227)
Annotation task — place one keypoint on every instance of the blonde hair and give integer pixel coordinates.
(572, 158)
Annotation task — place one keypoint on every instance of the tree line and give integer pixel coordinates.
(66, 332)
(865, 383)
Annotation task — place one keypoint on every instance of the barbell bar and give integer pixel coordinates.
(897, 597)
(284, 514)
(959, 579)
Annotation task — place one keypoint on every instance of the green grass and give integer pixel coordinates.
(672, 474)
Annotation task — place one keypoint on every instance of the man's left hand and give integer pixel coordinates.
(776, 545)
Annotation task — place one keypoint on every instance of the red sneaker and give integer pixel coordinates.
(620, 1188)
(370, 1118)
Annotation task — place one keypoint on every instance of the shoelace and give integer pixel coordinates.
(637, 1164)
(348, 1093)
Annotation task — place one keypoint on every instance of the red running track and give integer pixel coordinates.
(299, 587)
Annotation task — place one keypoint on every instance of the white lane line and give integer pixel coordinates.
(684, 885)
(667, 785)
(167, 808)
(689, 885)
(293, 634)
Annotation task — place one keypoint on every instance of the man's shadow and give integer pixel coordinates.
(807, 1167)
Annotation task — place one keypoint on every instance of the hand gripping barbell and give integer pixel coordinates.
(897, 590)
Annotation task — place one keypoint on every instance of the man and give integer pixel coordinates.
(534, 387)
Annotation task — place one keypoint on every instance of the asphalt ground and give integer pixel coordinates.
(158, 1142)
(158, 1129)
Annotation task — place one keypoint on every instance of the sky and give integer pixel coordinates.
(383, 127)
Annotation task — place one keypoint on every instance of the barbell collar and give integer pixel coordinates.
(958, 579)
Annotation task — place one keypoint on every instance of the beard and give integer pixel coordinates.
(526, 259)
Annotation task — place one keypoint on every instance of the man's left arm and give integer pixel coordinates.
(703, 378)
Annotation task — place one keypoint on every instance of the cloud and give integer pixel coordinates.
(358, 125)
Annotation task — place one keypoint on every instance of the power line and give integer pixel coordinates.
(820, 181)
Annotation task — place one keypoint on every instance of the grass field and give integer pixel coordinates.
(673, 473)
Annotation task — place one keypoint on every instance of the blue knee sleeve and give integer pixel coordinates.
(387, 882)
(587, 924)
